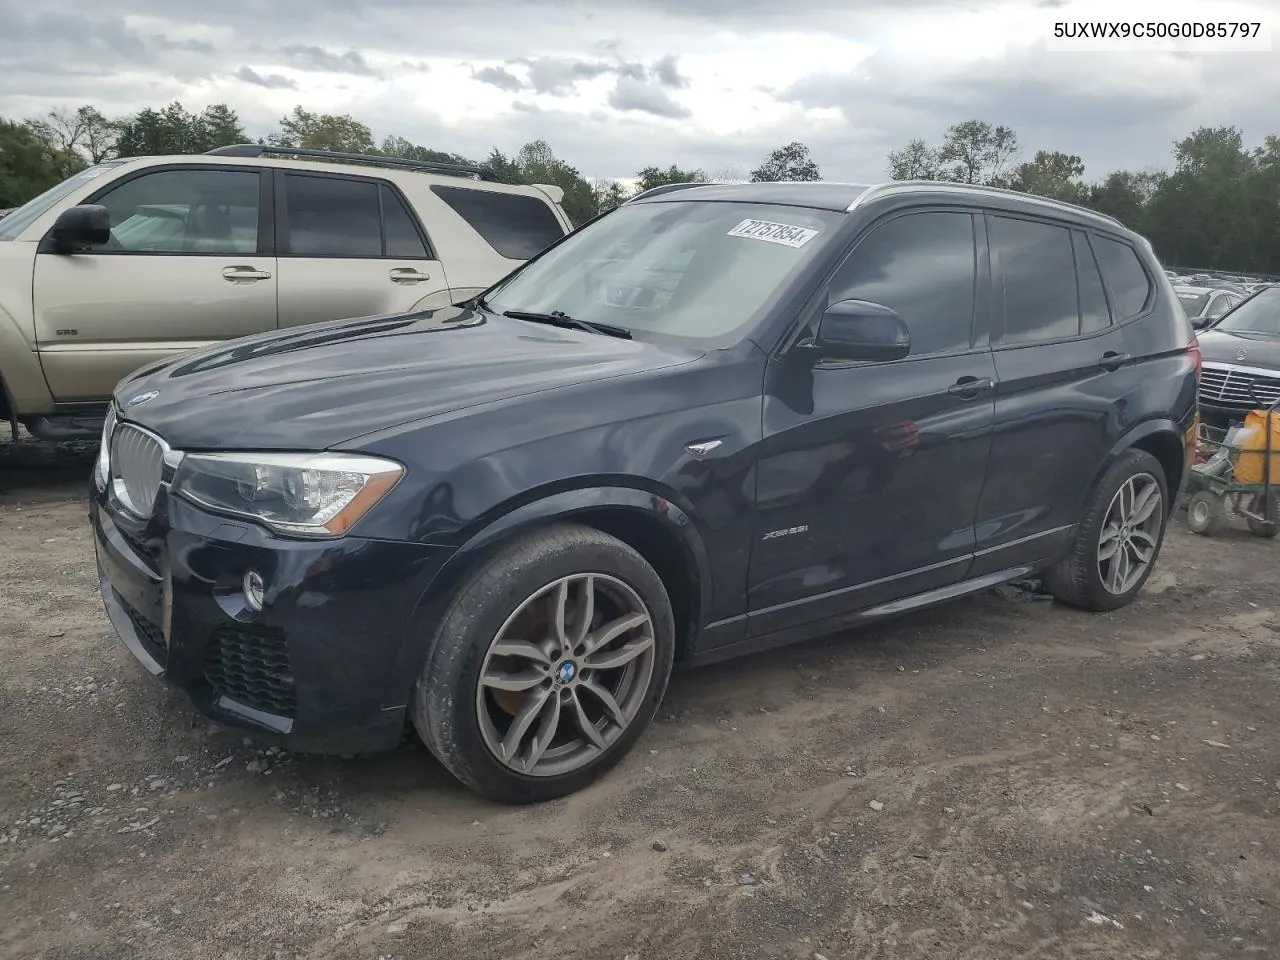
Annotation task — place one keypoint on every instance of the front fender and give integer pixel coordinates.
(22, 381)
(564, 505)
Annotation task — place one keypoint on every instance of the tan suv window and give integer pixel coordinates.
(185, 211)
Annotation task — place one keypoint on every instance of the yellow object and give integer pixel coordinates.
(1253, 446)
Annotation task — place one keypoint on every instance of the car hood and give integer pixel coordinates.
(1222, 346)
(308, 388)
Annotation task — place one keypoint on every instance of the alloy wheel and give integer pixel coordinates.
(566, 675)
(1130, 533)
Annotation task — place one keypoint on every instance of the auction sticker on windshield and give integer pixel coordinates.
(783, 233)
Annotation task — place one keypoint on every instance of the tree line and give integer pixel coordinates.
(1218, 207)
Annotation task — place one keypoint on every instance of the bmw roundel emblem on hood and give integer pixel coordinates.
(142, 398)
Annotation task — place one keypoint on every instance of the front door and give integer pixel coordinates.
(870, 473)
(187, 265)
(351, 247)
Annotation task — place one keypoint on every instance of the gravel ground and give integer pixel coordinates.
(997, 778)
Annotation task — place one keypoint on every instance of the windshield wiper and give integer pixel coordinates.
(559, 318)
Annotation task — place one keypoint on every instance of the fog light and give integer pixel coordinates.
(253, 590)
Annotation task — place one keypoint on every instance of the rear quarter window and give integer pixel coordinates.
(1122, 269)
(517, 226)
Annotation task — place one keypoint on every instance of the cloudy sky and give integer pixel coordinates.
(614, 86)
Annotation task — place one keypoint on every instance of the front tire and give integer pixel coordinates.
(1118, 540)
(546, 667)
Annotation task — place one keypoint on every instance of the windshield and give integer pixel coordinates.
(1260, 314)
(688, 271)
(1193, 303)
(33, 209)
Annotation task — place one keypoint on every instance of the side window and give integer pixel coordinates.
(1129, 283)
(185, 211)
(516, 225)
(329, 217)
(1094, 314)
(1036, 280)
(403, 239)
(923, 266)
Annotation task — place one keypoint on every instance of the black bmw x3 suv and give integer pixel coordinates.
(717, 419)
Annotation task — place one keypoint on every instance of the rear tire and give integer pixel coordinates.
(532, 691)
(1122, 547)
(1205, 513)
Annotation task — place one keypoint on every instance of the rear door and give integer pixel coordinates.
(1061, 366)
(189, 263)
(349, 247)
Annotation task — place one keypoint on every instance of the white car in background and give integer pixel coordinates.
(1204, 305)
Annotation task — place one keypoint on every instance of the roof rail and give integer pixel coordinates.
(426, 166)
(664, 188)
(883, 188)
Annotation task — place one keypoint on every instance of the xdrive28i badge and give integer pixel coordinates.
(142, 398)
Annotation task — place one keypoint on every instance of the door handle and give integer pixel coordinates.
(1113, 361)
(244, 274)
(967, 388)
(407, 275)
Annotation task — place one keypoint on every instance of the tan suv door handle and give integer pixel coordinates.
(407, 275)
(244, 274)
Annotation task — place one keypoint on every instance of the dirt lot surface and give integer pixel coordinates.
(998, 778)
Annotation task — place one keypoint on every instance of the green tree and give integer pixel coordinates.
(1052, 174)
(971, 152)
(916, 161)
(84, 131)
(174, 130)
(218, 126)
(651, 177)
(304, 130)
(1125, 195)
(1265, 191)
(30, 163)
(400, 147)
(609, 194)
(500, 168)
(1205, 213)
(790, 162)
(976, 152)
(539, 164)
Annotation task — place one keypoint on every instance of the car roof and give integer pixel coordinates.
(820, 195)
(397, 174)
(846, 197)
(1192, 288)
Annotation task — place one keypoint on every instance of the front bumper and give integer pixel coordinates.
(329, 662)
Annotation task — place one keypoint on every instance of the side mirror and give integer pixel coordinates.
(87, 225)
(862, 330)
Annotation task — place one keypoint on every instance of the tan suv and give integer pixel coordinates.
(132, 261)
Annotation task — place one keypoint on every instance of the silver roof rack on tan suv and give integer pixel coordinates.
(426, 166)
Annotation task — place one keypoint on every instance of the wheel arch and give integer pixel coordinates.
(1160, 438)
(655, 527)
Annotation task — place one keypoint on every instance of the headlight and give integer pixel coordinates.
(304, 494)
(102, 469)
